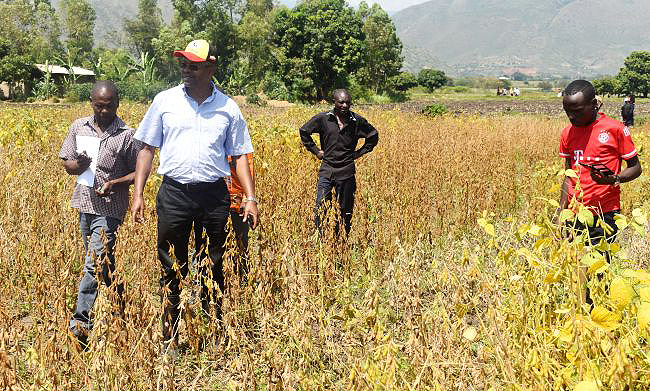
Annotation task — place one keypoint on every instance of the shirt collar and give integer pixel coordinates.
(353, 117)
(210, 98)
(112, 128)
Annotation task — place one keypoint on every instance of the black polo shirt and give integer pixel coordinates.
(338, 144)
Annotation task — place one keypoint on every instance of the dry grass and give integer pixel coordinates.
(392, 308)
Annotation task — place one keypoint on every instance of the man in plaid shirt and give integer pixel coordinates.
(103, 205)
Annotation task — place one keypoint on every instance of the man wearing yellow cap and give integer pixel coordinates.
(196, 128)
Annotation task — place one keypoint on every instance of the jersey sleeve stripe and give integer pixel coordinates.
(629, 155)
(566, 154)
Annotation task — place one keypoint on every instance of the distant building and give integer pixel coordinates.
(57, 74)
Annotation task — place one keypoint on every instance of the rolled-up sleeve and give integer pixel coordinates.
(69, 147)
(150, 130)
(238, 139)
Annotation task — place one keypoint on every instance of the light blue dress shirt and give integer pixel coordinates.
(194, 140)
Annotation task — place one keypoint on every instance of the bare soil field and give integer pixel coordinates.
(468, 106)
(501, 106)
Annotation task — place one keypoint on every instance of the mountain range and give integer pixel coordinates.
(555, 37)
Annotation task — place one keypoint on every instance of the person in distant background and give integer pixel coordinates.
(627, 111)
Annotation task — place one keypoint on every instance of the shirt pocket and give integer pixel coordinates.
(214, 130)
(107, 159)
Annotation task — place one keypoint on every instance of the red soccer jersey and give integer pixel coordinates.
(605, 141)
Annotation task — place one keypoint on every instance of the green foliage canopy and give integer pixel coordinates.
(384, 49)
(403, 81)
(634, 77)
(606, 85)
(32, 28)
(317, 45)
(79, 25)
(432, 79)
(145, 27)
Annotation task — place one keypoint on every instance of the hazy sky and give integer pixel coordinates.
(390, 6)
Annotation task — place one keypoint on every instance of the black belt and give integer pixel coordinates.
(194, 187)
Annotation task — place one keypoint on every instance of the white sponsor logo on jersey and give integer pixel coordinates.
(603, 137)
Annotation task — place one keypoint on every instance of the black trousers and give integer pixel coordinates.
(240, 228)
(597, 233)
(345, 189)
(179, 207)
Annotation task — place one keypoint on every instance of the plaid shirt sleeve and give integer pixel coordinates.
(133, 148)
(69, 147)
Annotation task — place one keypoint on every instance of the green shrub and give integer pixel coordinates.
(359, 92)
(398, 96)
(274, 88)
(254, 99)
(545, 86)
(78, 92)
(434, 110)
(456, 89)
(139, 91)
(134, 90)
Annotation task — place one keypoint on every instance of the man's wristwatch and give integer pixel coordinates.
(250, 199)
(617, 180)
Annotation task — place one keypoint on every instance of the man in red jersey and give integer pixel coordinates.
(595, 140)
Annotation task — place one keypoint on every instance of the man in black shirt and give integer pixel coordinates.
(339, 130)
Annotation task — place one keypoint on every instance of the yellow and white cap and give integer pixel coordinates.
(196, 51)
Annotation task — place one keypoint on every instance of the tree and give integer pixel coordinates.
(432, 79)
(403, 81)
(545, 86)
(634, 77)
(384, 49)
(606, 85)
(317, 46)
(79, 18)
(518, 76)
(145, 27)
(254, 31)
(29, 34)
(14, 67)
(33, 28)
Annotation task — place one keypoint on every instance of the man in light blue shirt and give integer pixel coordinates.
(196, 127)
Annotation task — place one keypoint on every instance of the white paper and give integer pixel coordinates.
(90, 145)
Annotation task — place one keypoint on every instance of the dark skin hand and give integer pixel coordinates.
(630, 173)
(78, 166)
(107, 187)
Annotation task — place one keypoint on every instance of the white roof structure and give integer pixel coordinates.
(56, 69)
